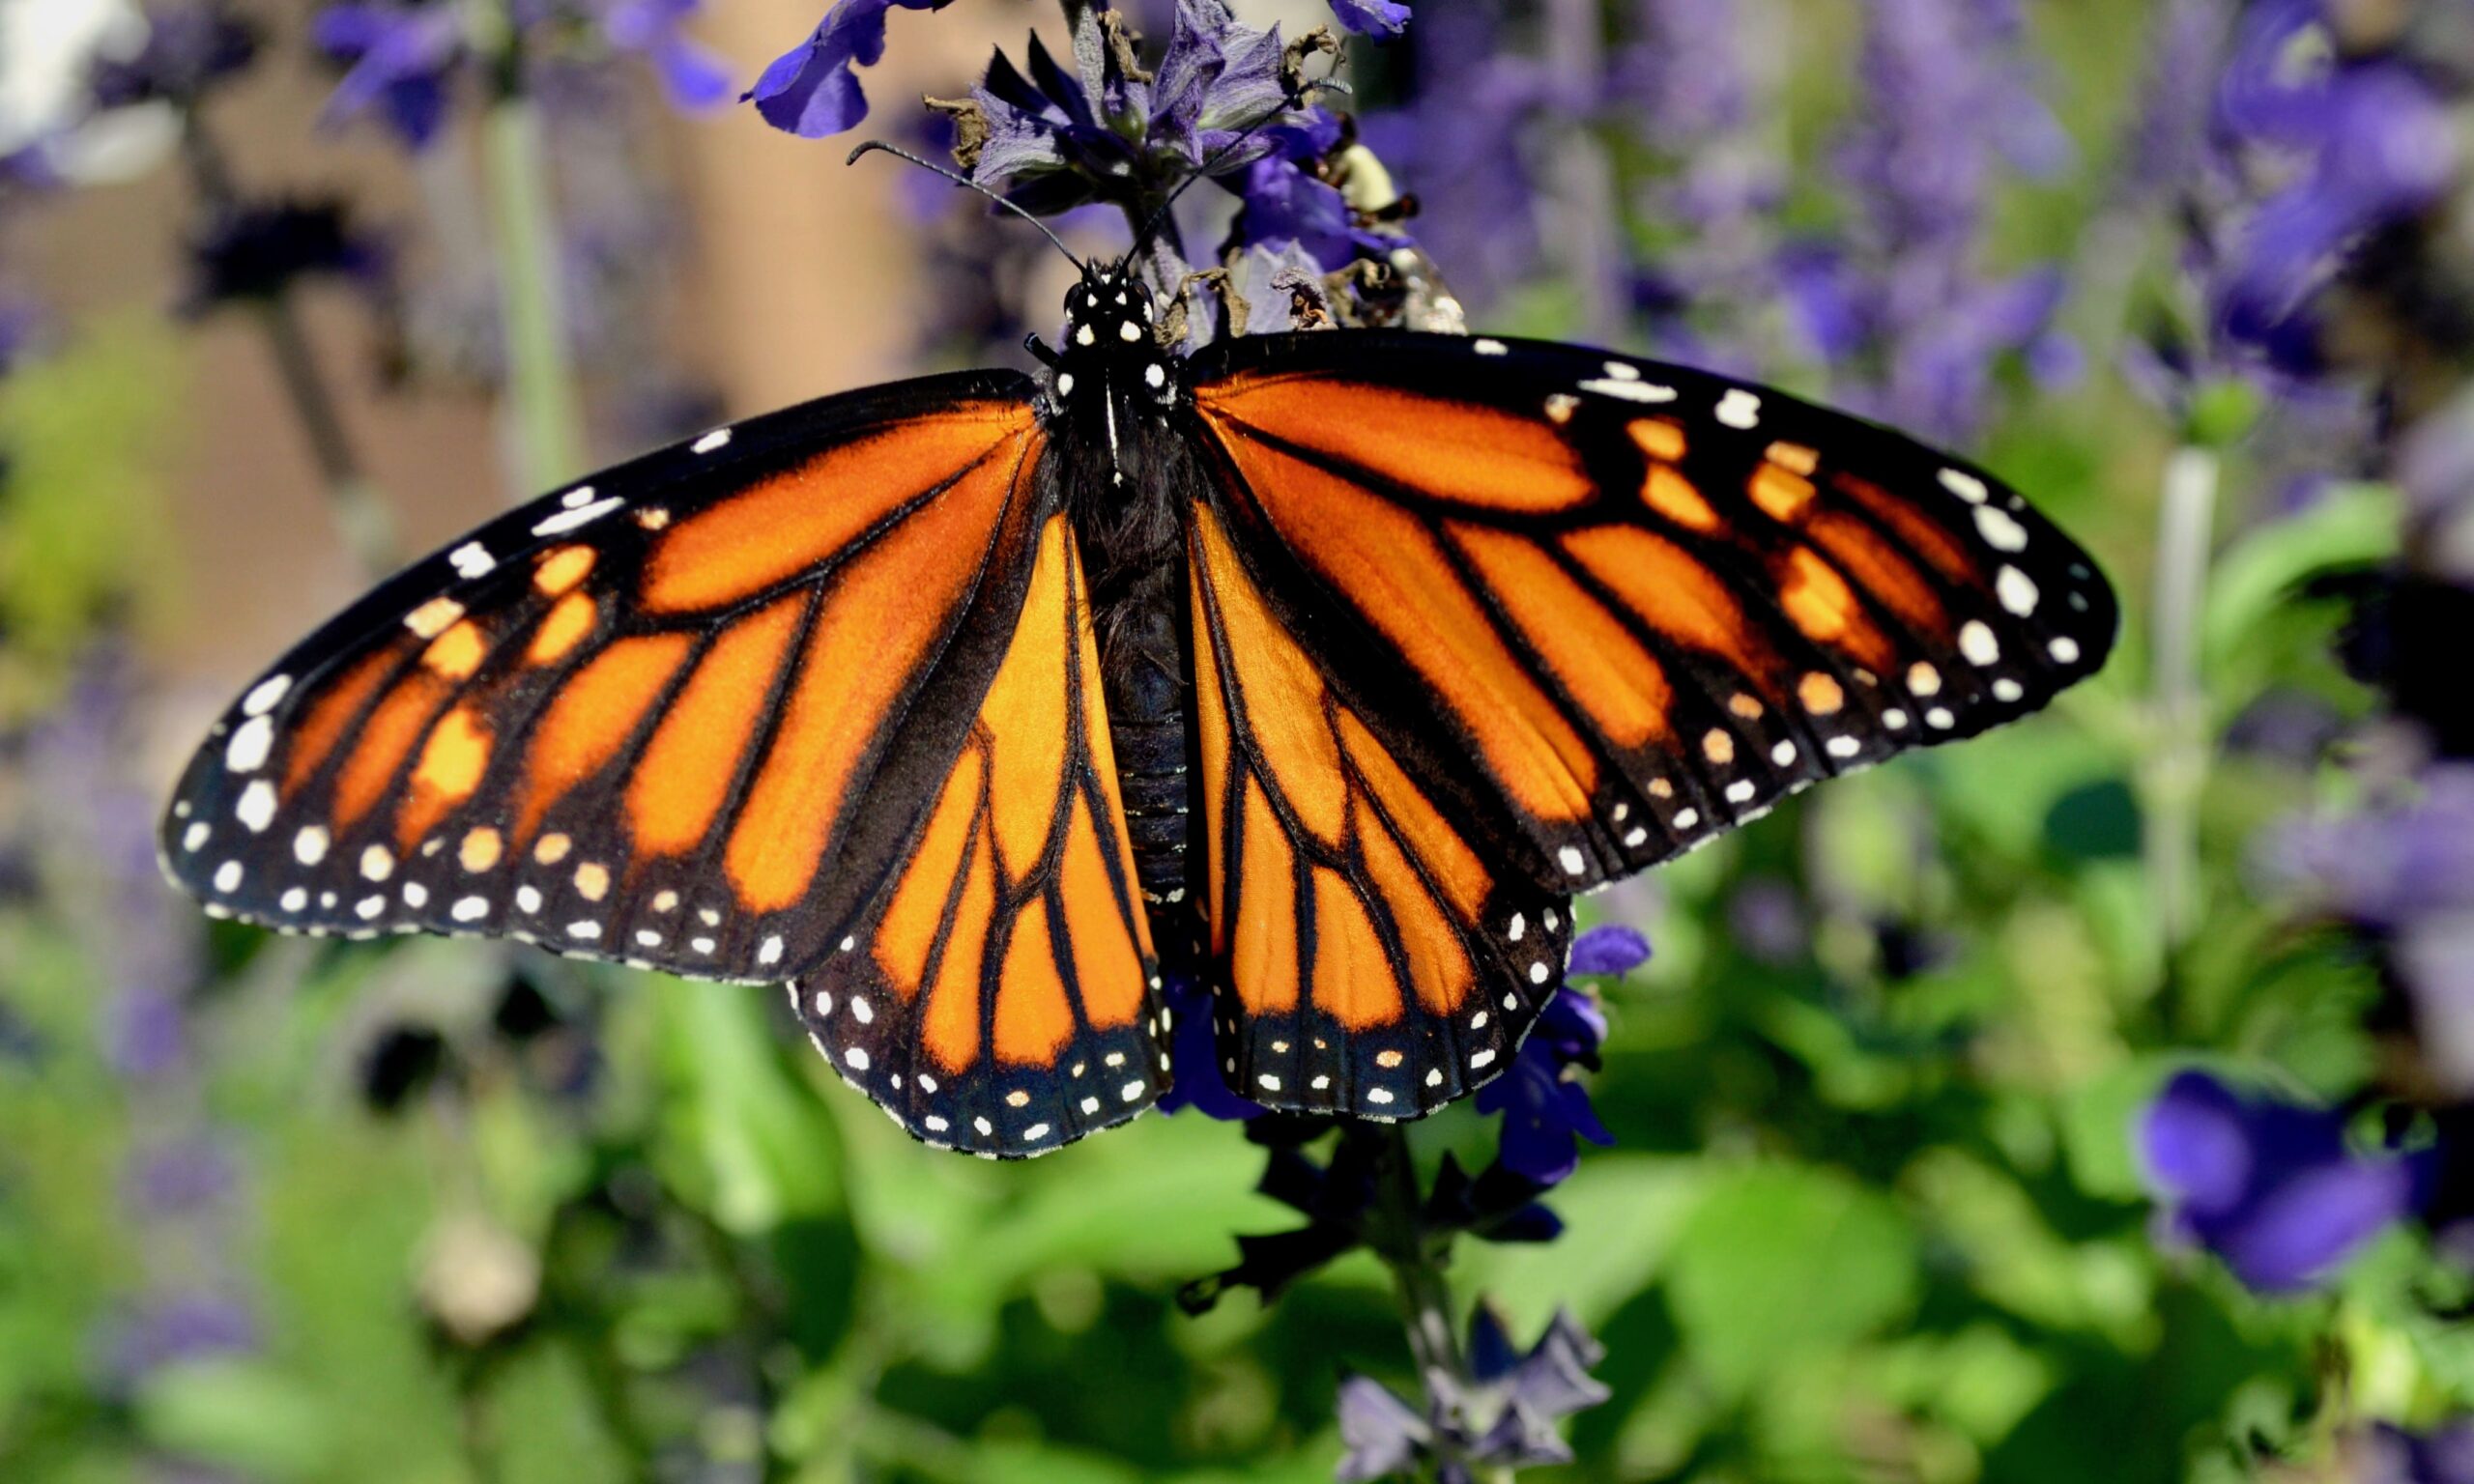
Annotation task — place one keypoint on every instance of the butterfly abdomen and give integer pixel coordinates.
(1147, 728)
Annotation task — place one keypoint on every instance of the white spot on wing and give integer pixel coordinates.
(246, 751)
(579, 516)
(1966, 486)
(770, 953)
(1490, 346)
(1629, 392)
(471, 559)
(1999, 531)
(227, 876)
(2064, 650)
(256, 808)
(719, 438)
(1977, 644)
(309, 846)
(264, 694)
(1740, 409)
(2016, 589)
(1572, 861)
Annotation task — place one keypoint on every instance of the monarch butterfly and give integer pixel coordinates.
(1324, 667)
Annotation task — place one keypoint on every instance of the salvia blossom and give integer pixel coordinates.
(401, 65)
(2272, 1187)
(2388, 1454)
(813, 90)
(1544, 1105)
(188, 51)
(1055, 139)
(254, 252)
(693, 78)
(1501, 1416)
(1379, 16)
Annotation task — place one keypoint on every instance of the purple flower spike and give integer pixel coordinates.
(2270, 1186)
(812, 89)
(1371, 16)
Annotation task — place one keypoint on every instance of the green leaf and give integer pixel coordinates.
(764, 1152)
(238, 1414)
(2352, 525)
(1781, 1260)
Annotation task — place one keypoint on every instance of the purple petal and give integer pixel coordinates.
(1608, 949)
(812, 89)
(1367, 16)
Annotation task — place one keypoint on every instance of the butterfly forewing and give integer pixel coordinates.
(1611, 608)
(637, 719)
(998, 991)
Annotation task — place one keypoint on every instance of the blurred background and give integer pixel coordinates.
(289, 291)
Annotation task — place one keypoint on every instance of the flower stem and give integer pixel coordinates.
(543, 429)
(2178, 765)
(1396, 1231)
(367, 526)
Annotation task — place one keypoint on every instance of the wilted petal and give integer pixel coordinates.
(1383, 1433)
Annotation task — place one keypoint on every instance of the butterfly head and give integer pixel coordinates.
(1109, 314)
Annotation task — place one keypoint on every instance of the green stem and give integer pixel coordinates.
(544, 428)
(2178, 765)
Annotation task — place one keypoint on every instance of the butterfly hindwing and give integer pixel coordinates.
(1610, 609)
(636, 720)
(1368, 957)
(998, 991)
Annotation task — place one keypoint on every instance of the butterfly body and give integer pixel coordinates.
(1323, 667)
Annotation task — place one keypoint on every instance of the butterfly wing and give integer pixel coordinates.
(638, 719)
(1609, 608)
(997, 993)
(1370, 958)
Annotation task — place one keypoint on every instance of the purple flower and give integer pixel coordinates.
(1199, 1087)
(176, 1328)
(255, 252)
(1285, 204)
(1608, 949)
(812, 89)
(694, 78)
(2391, 1455)
(1545, 1108)
(1366, 17)
(401, 61)
(188, 51)
(1501, 1416)
(2383, 148)
(2271, 1186)
(2388, 867)
(1055, 139)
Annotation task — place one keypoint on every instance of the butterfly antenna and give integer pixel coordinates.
(878, 146)
(1288, 106)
